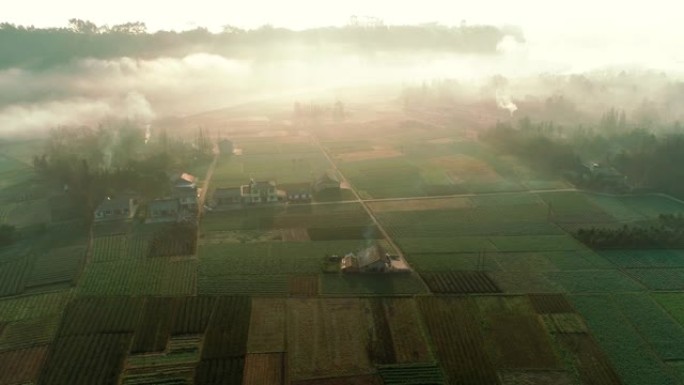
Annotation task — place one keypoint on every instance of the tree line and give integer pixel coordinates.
(45, 47)
(667, 234)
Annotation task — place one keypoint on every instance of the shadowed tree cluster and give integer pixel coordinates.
(43, 48)
(667, 234)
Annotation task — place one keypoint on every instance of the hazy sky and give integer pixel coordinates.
(649, 17)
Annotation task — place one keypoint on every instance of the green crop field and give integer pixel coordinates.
(666, 279)
(659, 329)
(595, 281)
(631, 356)
(658, 258)
(156, 276)
(372, 284)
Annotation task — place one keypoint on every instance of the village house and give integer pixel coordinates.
(227, 196)
(297, 192)
(188, 198)
(116, 208)
(369, 260)
(163, 210)
(260, 192)
(327, 181)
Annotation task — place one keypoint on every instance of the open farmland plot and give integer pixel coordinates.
(385, 178)
(224, 371)
(616, 207)
(154, 330)
(514, 335)
(370, 379)
(630, 355)
(155, 276)
(645, 258)
(192, 314)
(443, 262)
(420, 204)
(22, 366)
(270, 257)
(371, 284)
(523, 282)
(520, 220)
(405, 326)
(27, 333)
(663, 279)
(86, 359)
(275, 284)
(283, 168)
(303, 285)
(267, 326)
(457, 340)
(651, 206)
(93, 315)
(226, 335)
(264, 368)
(13, 276)
(597, 281)
(327, 338)
(550, 303)
(535, 243)
(180, 357)
(109, 248)
(381, 344)
(460, 282)
(539, 377)
(592, 364)
(574, 207)
(665, 335)
(673, 303)
(454, 244)
(414, 374)
(61, 265)
(34, 306)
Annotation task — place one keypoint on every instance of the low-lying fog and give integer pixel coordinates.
(87, 91)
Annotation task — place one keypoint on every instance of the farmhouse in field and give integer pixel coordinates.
(297, 192)
(327, 181)
(228, 196)
(116, 208)
(163, 210)
(255, 192)
(369, 260)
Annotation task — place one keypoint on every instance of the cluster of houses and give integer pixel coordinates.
(260, 192)
(181, 205)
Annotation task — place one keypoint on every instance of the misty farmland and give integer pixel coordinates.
(362, 205)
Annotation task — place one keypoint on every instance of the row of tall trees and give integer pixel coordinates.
(40, 48)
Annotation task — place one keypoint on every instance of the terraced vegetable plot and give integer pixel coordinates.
(95, 315)
(34, 306)
(22, 366)
(405, 327)
(411, 374)
(267, 326)
(86, 359)
(265, 368)
(323, 338)
(226, 334)
(628, 352)
(28, 333)
(371, 284)
(192, 314)
(61, 265)
(154, 276)
(460, 282)
(457, 339)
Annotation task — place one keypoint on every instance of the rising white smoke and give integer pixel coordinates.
(503, 100)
